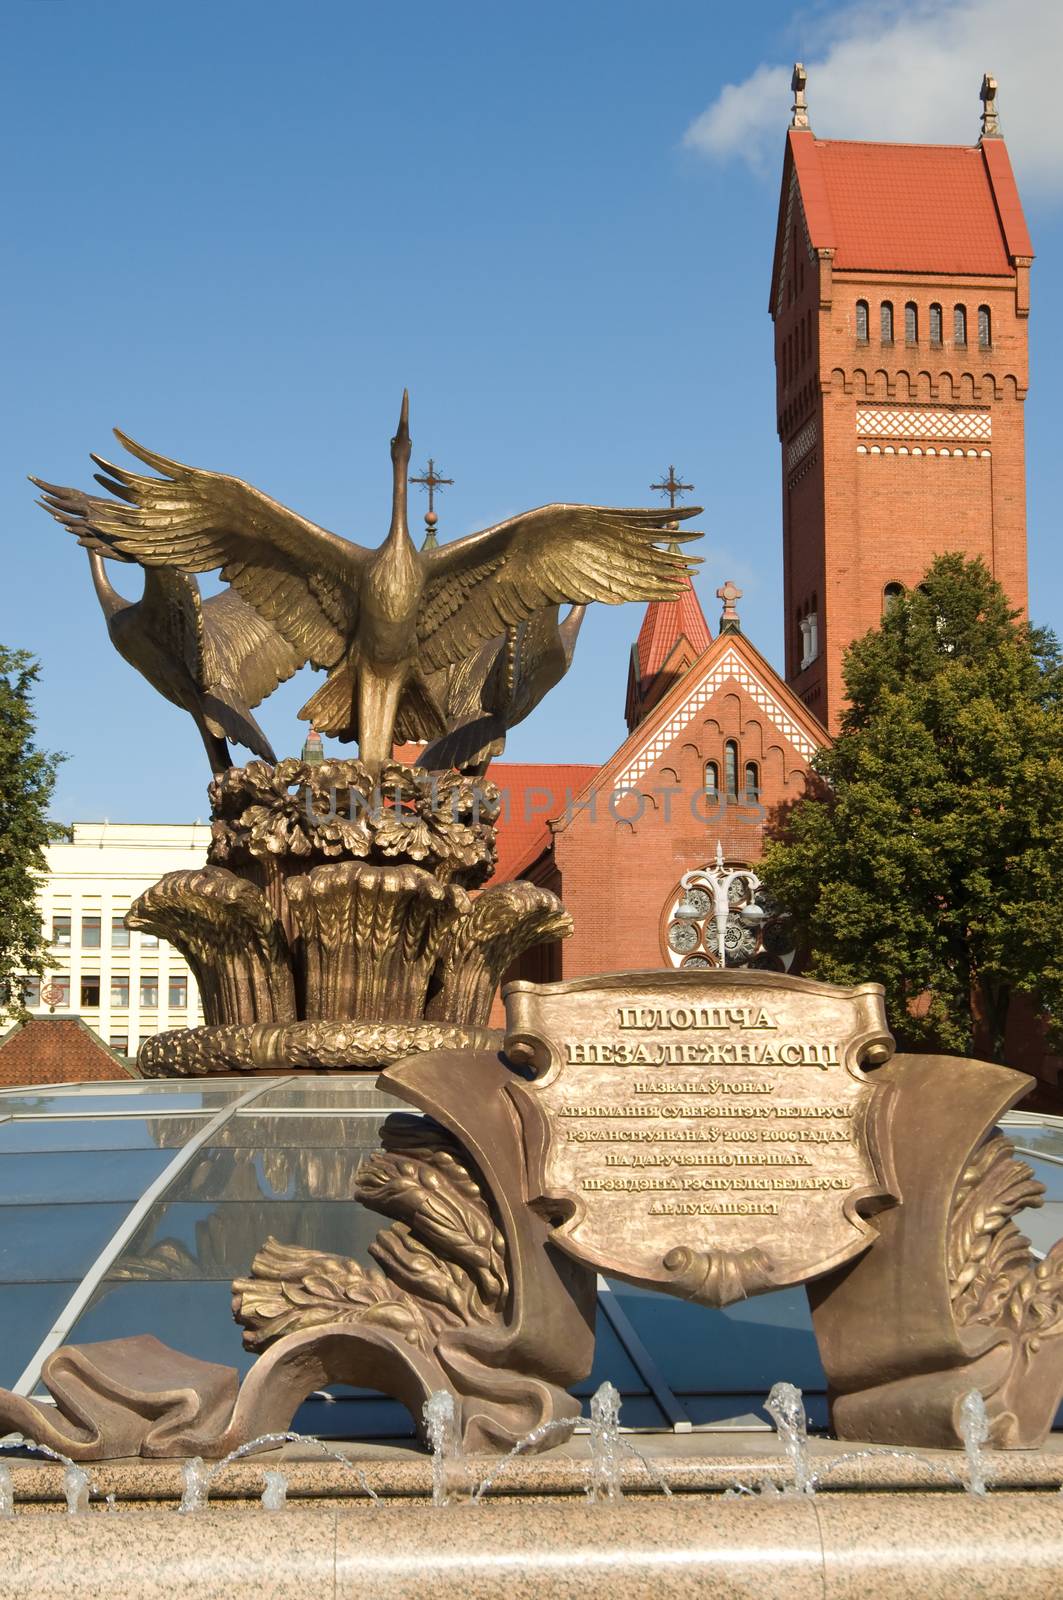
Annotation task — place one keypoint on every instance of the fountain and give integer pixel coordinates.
(708, 1134)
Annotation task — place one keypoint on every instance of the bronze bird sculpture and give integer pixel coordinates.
(502, 683)
(214, 658)
(378, 621)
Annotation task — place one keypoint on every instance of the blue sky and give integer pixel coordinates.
(238, 230)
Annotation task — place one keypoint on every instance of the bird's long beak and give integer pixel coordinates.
(400, 463)
(400, 445)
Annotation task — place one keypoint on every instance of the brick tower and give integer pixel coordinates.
(900, 297)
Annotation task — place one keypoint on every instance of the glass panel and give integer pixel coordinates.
(61, 930)
(75, 1176)
(195, 1318)
(935, 324)
(96, 1100)
(183, 1239)
(90, 933)
(959, 323)
(39, 1244)
(98, 1133)
(119, 992)
(119, 1042)
(149, 992)
(744, 1348)
(354, 1416)
(612, 1362)
(1043, 1226)
(90, 992)
(178, 991)
(1044, 1139)
(241, 1173)
(119, 934)
(31, 991)
(27, 1311)
(330, 1094)
(311, 1129)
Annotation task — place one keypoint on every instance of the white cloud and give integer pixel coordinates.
(909, 72)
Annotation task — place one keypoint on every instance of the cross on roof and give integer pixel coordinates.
(672, 487)
(431, 480)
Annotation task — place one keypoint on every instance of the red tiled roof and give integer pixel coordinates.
(665, 622)
(55, 1049)
(531, 793)
(911, 207)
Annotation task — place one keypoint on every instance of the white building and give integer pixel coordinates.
(125, 985)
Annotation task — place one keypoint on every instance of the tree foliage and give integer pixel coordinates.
(27, 780)
(930, 856)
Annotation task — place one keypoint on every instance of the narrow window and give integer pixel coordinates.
(149, 941)
(120, 993)
(813, 634)
(712, 779)
(959, 324)
(90, 933)
(178, 992)
(90, 992)
(886, 315)
(890, 595)
(935, 324)
(61, 930)
(985, 328)
(149, 992)
(730, 769)
(911, 323)
(752, 775)
(31, 991)
(861, 321)
(119, 1042)
(119, 934)
(60, 990)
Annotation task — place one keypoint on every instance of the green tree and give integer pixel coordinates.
(929, 855)
(27, 780)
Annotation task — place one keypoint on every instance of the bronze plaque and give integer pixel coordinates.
(707, 1133)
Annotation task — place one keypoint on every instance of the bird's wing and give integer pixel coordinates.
(78, 512)
(296, 575)
(245, 650)
(476, 587)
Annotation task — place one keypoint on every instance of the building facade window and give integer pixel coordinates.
(936, 325)
(911, 323)
(61, 930)
(119, 1042)
(90, 933)
(59, 985)
(178, 992)
(959, 324)
(752, 783)
(31, 991)
(712, 779)
(119, 993)
(149, 941)
(149, 992)
(730, 769)
(90, 992)
(119, 934)
(862, 321)
(985, 328)
(890, 595)
(886, 321)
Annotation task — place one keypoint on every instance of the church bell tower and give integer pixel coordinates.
(900, 296)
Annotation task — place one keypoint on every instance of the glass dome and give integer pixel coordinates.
(130, 1207)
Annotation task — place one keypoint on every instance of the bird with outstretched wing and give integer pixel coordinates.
(380, 622)
(215, 658)
(499, 685)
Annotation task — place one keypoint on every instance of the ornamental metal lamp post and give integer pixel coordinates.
(719, 880)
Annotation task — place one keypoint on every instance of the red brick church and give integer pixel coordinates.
(900, 299)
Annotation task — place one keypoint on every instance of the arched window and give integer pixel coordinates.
(752, 783)
(985, 328)
(861, 321)
(911, 323)
(730, 769)
(712, 779)
(890, 595)
(886, 320)
(936, 325)
(959, 324)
